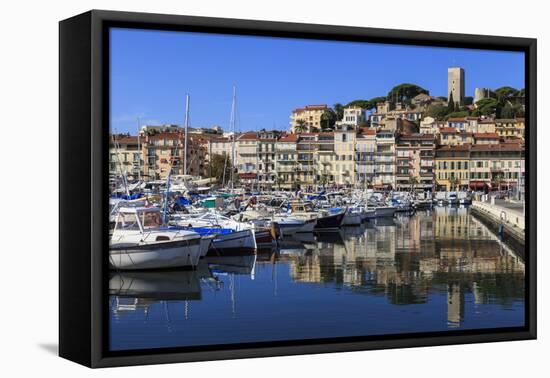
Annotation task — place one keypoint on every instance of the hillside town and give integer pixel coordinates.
(407, 140)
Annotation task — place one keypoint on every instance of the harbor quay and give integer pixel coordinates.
(505, 217)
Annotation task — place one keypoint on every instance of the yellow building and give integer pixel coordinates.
(246, 157)
(344, 151)
(452, 167)
(452, 136)
(307, 118)
(510, 127)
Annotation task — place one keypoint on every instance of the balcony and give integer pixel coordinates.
(326, 148)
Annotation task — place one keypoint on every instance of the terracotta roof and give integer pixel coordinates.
(498, 147)
(460, 147)
(487, 121)
(248, 136)
(417, 136)
(166, 135)
(459, 119)
(505, 120)
(310, 107)
(126, 139)
(367, 131)
(485, 135)
(289, 138)
(448, 130)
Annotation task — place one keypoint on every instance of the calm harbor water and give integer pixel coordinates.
(432, 271)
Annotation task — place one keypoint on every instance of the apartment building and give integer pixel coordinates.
(267, 175)
(451, 136)
(286, 156)
(510, 127)
(497, 166)
(365, 151)
(384, 160)
(415, 162)
(325, 158)
(125, 156)
(246, 157)
(163, 147)
(344, 151)
(307, 118)
(452, 167)
(353, 116)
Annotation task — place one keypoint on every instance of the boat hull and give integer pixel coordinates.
(329, 222)
(235, 242)
(352, 219)
(385, 212)
(167, 255)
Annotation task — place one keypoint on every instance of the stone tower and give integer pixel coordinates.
(455, 84)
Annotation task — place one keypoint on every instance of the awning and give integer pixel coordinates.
(478, 184)
(247, 175)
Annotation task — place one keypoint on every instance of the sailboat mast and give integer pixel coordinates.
(186, 129)
(232, 123)
(139, 150)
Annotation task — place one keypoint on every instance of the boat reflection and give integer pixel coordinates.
(441, 265)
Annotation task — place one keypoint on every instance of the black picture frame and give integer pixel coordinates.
(83, 141)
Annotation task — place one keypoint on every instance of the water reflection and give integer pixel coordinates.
(435, 270)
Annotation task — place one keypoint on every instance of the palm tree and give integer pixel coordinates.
(498, 179)
(453, 181)
(300, 126)
(413, 181)
(280, 181)
(323, 180)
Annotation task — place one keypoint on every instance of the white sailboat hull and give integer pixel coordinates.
(238, 241)
(158, 256)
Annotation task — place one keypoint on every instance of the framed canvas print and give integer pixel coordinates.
(234, 188)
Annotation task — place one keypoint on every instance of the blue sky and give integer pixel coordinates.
(152, 71)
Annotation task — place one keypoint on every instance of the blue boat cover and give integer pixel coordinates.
(211, 230)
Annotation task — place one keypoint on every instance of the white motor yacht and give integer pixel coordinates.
(139, 241)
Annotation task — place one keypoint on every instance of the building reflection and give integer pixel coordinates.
(445, 250)
(444, 255)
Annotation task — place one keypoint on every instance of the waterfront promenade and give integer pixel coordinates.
(506, 217)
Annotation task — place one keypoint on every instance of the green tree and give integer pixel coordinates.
(486, 107)
(406, 92)
(504, 92)
(215, 167)
(437, 111)
(367, 104)
(339, 110)
(458, 114)
(507, 111)
(328, 119)
(451, 105)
